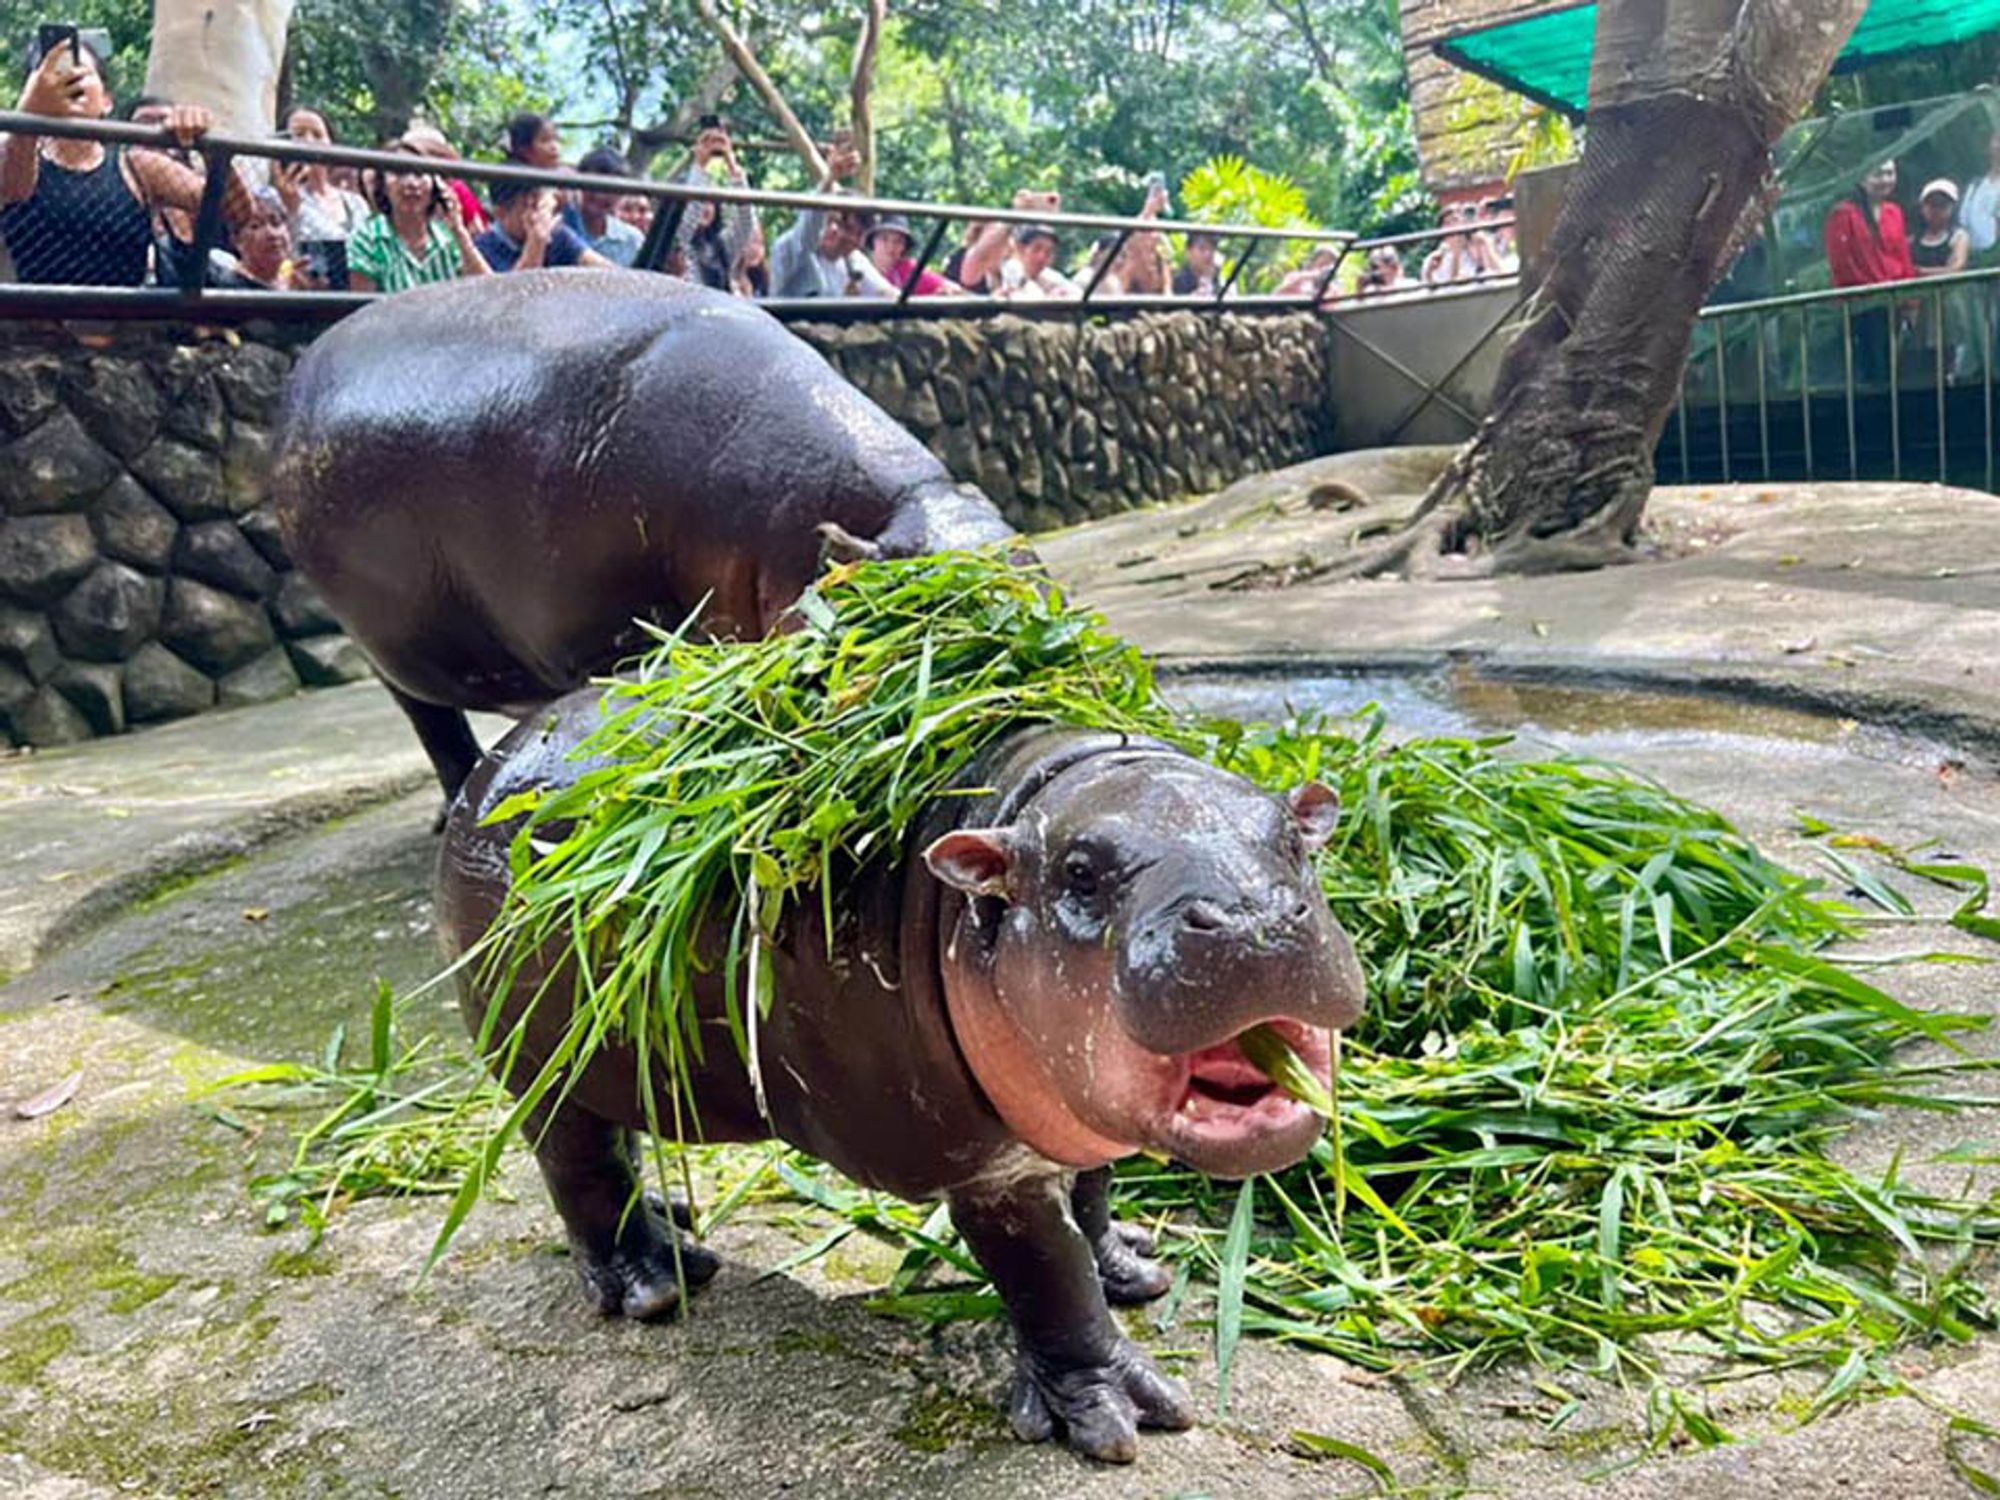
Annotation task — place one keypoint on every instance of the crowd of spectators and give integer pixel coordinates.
(1869, 242)
(86, 213)
(1476, 243)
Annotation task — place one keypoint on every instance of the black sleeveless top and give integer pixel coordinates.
(1930, 255)
(79, 228)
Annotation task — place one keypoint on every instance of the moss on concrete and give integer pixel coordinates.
(939, 1420)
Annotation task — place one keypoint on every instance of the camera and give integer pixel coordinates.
(710, 121)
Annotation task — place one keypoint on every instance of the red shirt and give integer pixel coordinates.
(476, 217)
(930, 284)
(1854, 253)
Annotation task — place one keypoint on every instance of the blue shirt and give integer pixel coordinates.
(502, 253)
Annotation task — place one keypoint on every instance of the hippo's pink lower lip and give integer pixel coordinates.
(1229, 1118)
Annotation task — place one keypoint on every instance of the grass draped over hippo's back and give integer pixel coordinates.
(1587, 1115)
(735, 775)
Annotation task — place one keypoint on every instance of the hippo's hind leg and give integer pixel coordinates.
(1075, 1370)
(447, 740)
(625, 1248)
(1123, 1251)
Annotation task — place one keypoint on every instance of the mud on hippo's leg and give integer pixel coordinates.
(624, 1246)
(1075, 1370)
(1124, 1252)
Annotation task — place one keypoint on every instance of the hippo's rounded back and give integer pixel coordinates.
(489, 480)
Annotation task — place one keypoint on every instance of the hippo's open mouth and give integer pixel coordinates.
(1231, 1120)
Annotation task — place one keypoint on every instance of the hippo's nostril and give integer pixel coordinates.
(1204, 916)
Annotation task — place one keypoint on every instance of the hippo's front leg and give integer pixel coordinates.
(1124, 1252)
(1075, 1369)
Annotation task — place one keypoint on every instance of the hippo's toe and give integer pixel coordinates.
(641, 1276)
(1099, 1407)
(1125, 1267)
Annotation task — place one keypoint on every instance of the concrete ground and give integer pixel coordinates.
(182, 904)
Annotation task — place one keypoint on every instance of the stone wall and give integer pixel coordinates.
(141, 574)
(1059, 422)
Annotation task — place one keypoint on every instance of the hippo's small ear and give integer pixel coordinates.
(974, 860)
(1316, 809)
(839, 545)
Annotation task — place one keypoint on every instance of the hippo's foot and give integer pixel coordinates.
(636, 1277)
(1100, 1405)
(1123, 1252)
(1125, 1264)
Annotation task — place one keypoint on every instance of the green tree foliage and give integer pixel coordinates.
(368, 65)
(973, 98)
(976, 98)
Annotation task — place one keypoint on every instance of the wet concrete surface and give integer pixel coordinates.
(154, 1339)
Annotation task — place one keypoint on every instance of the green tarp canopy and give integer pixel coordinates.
(1547, 57)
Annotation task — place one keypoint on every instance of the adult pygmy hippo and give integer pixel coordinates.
(489, 480)
(1055, 976)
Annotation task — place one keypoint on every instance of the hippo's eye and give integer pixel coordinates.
(1080, 874)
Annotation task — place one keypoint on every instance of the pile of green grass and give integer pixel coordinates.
(1585, 1120)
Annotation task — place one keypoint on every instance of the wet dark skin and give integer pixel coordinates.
(490, 479)
(982, 1029)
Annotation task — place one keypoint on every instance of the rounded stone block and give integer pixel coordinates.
(269, 676)
(28, 389)
(216, 553)
(132, 527)
(328, 661)
(194, 411)
(55, 467)
(186, 480)
(41, 556)
(260, 527)
(251, 378)
(216, 631)
(27, 643)
(118, 402)
(246, 470)
(158, 685)
(48, 718)
(108, 615)
(94, 690)
(299, 610)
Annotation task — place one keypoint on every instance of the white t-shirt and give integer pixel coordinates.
(335, 219)
(1977, 212)
(1052, 284)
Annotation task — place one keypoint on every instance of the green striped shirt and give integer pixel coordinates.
(379, 252)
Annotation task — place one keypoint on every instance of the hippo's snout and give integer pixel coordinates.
(1285, 914)
(1204, 966)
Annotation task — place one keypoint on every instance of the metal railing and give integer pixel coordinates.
(671, 201)
(1886, 381)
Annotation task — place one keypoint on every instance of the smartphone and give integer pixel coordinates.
(326, 263)
(53, 34)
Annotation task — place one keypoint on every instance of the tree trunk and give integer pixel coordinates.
(1687, 98)
(875, 15)
(746, 62)
(223, 55)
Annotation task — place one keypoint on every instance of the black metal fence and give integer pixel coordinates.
(187, 291)
(1893, 381)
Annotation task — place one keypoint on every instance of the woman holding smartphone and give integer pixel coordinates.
(80, 213)
(322, 215)
(417, 235)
